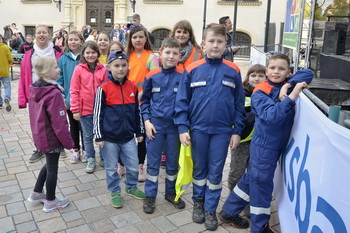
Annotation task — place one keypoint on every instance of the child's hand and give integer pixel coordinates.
(64, 101)
(284, 90)
(100, 144)
(76, 116)
(234, 141)
(150, 129)
(297, 89)
(185, 139)
(140, 95)
(139, 139)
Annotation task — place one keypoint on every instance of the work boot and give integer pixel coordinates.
(237, 222)
(211, 221)
(198, 211)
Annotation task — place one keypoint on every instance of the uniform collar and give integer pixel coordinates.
(213, 60)
(169, 70)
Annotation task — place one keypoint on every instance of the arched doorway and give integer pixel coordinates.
(243, 39)
(159, 35)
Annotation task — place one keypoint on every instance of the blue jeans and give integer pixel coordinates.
(7, 86)
(128, 155)
(88, 136)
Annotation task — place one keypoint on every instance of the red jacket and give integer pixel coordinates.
(48, 120)
(83, 88)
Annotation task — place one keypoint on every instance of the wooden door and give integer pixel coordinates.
(99, 14)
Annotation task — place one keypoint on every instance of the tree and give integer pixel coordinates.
(318, 14)
(338, 8)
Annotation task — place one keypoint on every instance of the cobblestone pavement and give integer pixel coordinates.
(90, 209)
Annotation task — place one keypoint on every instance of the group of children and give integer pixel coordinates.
(204, 104)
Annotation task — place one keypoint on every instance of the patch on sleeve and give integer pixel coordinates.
(62, 113)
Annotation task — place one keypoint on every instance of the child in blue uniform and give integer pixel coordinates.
(274, 111)
(210, 103)
(158, 109)
(116, 121)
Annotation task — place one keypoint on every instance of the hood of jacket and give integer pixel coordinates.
(41, 89)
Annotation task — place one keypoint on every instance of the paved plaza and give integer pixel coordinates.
(90, 209)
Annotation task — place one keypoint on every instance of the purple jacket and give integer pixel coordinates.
(48, 119)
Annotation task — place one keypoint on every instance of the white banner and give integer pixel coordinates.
(312, 186)
(257, 56)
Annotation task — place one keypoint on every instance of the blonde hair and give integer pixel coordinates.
(42, 66)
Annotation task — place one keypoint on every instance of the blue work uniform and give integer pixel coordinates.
(158, 106)
(210, 103)
(273, 124)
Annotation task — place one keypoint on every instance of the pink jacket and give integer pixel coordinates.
(25, 79)
(83, 87)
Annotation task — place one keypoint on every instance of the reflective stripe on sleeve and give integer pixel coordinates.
(214, 186)
(259, 210)
(199, 182)
(239, 192)
(229, 84)
(199, 84)
(156, 89)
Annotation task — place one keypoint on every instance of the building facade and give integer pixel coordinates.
(159, 16)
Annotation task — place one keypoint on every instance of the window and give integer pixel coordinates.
(244, 40)
(159, 35)
(163, 1)
(240, 2)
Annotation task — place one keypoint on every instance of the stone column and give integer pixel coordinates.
(120, 11)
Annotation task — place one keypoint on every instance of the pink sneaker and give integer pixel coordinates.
(56, 204)
(75, 156)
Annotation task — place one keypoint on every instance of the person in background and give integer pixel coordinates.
(14, 42)
(141, 61)
(273, 103)
(85, 80)
(136, 20)
(67, 63)
(117, 34)
(28, 42)
(230, 49)
(92, 36)
(42, 47)
(116, 122)
(209, 102)
(20, 37)
(103, 42)
(87, 31)
(48, 122)
(5, 61)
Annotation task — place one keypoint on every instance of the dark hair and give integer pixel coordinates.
(75, 33)
(279, 56)
(92, 45)
(170, 42)
(186, 25)
(217, 29)
(103, 33)
(222, 20)
(257, 68)
(133, 30)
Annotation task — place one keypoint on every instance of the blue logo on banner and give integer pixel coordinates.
(294, 191)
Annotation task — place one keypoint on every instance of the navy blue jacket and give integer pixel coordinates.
(274, 118)
(116, 112)
(210, 98)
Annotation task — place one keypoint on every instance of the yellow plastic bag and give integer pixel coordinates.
(184, 177)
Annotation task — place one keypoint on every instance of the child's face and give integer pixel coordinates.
(138, 40)
(54, 72)
(74, 43)
(90, 55)
(119, 68)
(182, 36)
(103, 41)
(114, 47)
(170, 57)
(277, 70)
(42, 36)
(214, 44)
(256, 78)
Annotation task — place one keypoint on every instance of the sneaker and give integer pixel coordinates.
(135, 192)
(142, 175)
(35, 197)
(63, 154)
(121, 170)
(102, 163)
(211, 221)
(237, 222)
(75, 156)
(83, 157)
(267, 228)
(162, 163)
(198, 211)
(180, 204)
(8, 106)
(90, 167)
(56, 204)
(36, 156)
(117, 200)
(149, 205)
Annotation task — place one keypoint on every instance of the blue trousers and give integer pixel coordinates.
(88, 136)
(256, 187)
(209, 153)
(6, 82)
(168, 138)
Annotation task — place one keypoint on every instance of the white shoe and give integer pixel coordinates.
(83, 157)
(142, 175)
(75, 156)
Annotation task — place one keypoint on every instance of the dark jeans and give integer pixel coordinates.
(48, 174)
(75, 131)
